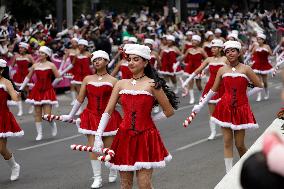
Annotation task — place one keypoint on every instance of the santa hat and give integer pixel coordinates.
(232, 44)
(140, 50)
(261, 35)
(208, 33)
(233, 35)
(75, 39)
(24, 45)
(99, 54)
(149, 41)
(218, 30)
(3, 63)
(189, 33)
(132, 39)
(83, 42)
(196, 38)
(45, 50)
(170, 38)
(217, 43)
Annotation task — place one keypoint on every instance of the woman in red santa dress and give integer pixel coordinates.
(188, 42)
(8, 124)
(97, 88)
(261, 65)
(170, 67)
(233, 113)
(209, 36)
(138, 146)
(23, 61)
(42, 96)
(70, 54)
(215, 62)
(193, 59)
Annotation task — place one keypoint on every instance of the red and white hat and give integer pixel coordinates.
(171, 38)
(3, 63)
(233, 45)
(24, 45)
(83, 42)
(75, 39)
(99, 54)
(45, 50)
(125, 38)
(217, 43)
(261, 35)
(140, 50)
(218, 30)
(132, 39)
(189, 33)
(233, 35)
(208, 33)
(196, 38)
(149, 41)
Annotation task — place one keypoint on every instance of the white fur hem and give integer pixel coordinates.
(140, 165)
(11, 134)
(234, 127)
(166, 73)
(91, 132)
(76, 82)
(263, 72)
(31, 101)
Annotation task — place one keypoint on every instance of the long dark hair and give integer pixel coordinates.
(150, 72)
(6, 75)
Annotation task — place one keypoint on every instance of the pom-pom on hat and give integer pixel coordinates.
(99, 54)
(140, 50)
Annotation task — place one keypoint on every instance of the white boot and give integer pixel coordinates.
(112, 175)
(31, 109)
(53, 128)
(20, 106)
(266, 96)
(73, 95)
(213, 130)
(97, 171)
(191, 96)
(228, 164)
(258, 99)
(15, 168)
(39, 130)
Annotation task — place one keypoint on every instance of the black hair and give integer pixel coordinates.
(150, 72)
(256, 174)
(6, 75)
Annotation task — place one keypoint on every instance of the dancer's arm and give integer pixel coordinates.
(253, 77)
(116, 69)
(11, 91)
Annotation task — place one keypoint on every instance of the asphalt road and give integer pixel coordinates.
(197, 163)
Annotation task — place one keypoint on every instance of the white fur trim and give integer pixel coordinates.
(47, 68)
(217, 64)
(166, 73)
(3, 87)
(99, 84)
(263, 72)
(259, 49)
(31, 101)
(140, 165)
(22, 58)
(91, 132)
(135, 92)
(76, 82)
(11, 134)
(82, 56)
(234, 127)
(235, 75)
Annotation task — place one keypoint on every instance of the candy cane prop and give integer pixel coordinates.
(189, 119)
(108, 153)
(277, 67)
(48, 117)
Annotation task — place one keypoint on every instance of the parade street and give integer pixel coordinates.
(197, 163)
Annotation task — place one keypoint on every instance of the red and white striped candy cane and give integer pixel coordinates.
(49, 117)
(188, 120)
(82, 148)
(275, 71)
(108, 155)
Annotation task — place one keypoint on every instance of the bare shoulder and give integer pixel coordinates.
(88, 78)
(112, 79)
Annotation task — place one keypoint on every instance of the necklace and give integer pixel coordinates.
(234, 67)
(101, 76)
(134, 81)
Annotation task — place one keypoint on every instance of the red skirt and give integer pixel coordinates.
(9, 126)
(38, 97)
(133, 152)
(217, 97)
(262, 68)
(237, 118)
(90, 122)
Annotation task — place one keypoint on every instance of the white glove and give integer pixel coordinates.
(254, 90)
(175, 66)
(74, 110)
(24, 84)
(56, 81)
(69, 67)
(203, 101)
(184, 84)
(158, 116)
(98, 144)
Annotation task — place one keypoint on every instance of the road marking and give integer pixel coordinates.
(195, 143)
(278, 87)
(47, 143)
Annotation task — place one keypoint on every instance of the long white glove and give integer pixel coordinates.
(204, 101)
(56, 81)
(175, 66)
(184, 84)
(24, 84)
(69, 67)
(159, 116)
(98, 144)
(75, 108)
(254, 90)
